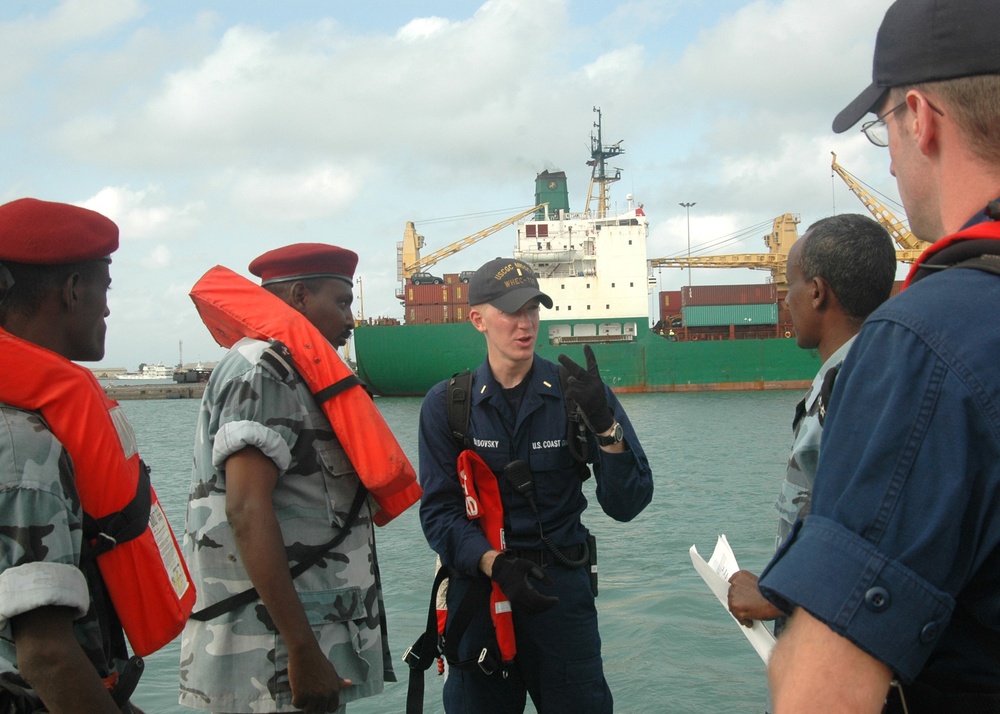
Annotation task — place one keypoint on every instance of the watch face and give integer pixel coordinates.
(552, 184)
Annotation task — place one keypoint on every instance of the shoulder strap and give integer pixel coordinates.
(311, 558)
(826, 391)
(459, 399)
(987, 262)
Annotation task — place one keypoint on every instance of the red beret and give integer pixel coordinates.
(305, 260)
(47, 233)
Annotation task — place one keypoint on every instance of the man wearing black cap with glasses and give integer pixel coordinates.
(893, 578)
(519, 426)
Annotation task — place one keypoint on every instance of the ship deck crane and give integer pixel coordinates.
(408, 256)
(779, 242)
(911, 246)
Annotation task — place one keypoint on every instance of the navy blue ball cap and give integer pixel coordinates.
(927, 41)
(506, 284)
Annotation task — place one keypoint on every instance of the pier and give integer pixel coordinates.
(120, 392)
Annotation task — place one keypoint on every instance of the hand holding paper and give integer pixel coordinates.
(716, 573)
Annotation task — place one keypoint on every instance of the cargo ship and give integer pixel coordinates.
(594, 266)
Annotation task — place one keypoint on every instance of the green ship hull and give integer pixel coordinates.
(407, 360)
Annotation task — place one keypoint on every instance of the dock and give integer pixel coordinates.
(120, 392)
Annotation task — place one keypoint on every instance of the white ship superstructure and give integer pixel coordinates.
(592, 264)
(148, 372)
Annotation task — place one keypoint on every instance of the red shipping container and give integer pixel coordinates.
(427, 294)
(450, 278)
(670, 304)
(754, 294)
(426, 314)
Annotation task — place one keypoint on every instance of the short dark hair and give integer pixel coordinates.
(856, 256)
(284, 289)
(32, 283)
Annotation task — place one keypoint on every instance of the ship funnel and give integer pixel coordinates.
(550, 187)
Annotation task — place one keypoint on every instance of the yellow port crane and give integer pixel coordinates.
(779, 241)
(911, 246)
(408, 258)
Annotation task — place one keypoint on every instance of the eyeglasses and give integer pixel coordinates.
(876, 130)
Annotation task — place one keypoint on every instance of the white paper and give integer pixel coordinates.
(716, 573)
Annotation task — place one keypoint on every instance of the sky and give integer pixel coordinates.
(211, 132)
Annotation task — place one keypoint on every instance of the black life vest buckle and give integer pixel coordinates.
(490, 663)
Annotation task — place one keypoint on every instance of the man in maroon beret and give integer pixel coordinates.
(59, 636)
(271, 484)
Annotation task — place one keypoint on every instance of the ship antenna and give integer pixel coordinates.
(600, 180)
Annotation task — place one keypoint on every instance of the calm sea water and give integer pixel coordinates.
(668, 644)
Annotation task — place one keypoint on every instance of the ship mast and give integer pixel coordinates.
(600, 181)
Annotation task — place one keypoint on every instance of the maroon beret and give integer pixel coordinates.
(47, 233)
(305, 260)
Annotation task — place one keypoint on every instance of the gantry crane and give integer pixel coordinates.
(911, 246)
(779, 242)
(408, 257)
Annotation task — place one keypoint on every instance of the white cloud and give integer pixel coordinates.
(293, 196)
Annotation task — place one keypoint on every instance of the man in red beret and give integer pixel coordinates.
(59, 634)
(271, 484)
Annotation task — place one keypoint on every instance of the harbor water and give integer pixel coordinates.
(668, 645)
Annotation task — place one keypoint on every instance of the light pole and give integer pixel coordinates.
(687, 209)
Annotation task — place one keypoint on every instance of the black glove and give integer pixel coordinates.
(585, 388)
(512, 574)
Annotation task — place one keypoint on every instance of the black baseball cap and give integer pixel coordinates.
(506, 284)
(928, 41)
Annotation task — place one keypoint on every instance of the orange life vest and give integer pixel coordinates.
(146, 576)
(233, 307)
(482, 503)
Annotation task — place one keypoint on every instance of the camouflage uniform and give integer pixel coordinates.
(795, 496)
(41, 524)
(237, 662)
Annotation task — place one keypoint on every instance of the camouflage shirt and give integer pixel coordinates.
(41, 530)
(795, 496)
(237, 662)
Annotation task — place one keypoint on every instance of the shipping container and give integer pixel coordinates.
(670, 304)
(426, 314)
(712, 315)
(896, 287)
(756, 294)
(450, 278)
(428, 294)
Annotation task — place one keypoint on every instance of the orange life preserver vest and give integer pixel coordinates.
(146, 576)
(233, 307)
(482, 503)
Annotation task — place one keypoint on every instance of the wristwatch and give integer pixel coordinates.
(614, 437)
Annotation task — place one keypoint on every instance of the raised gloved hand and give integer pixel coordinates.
(512, 574)
(584, 386)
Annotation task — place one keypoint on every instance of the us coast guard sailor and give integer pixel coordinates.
(271, 484)
(518, 424)
(59, 634)
(893, 577)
